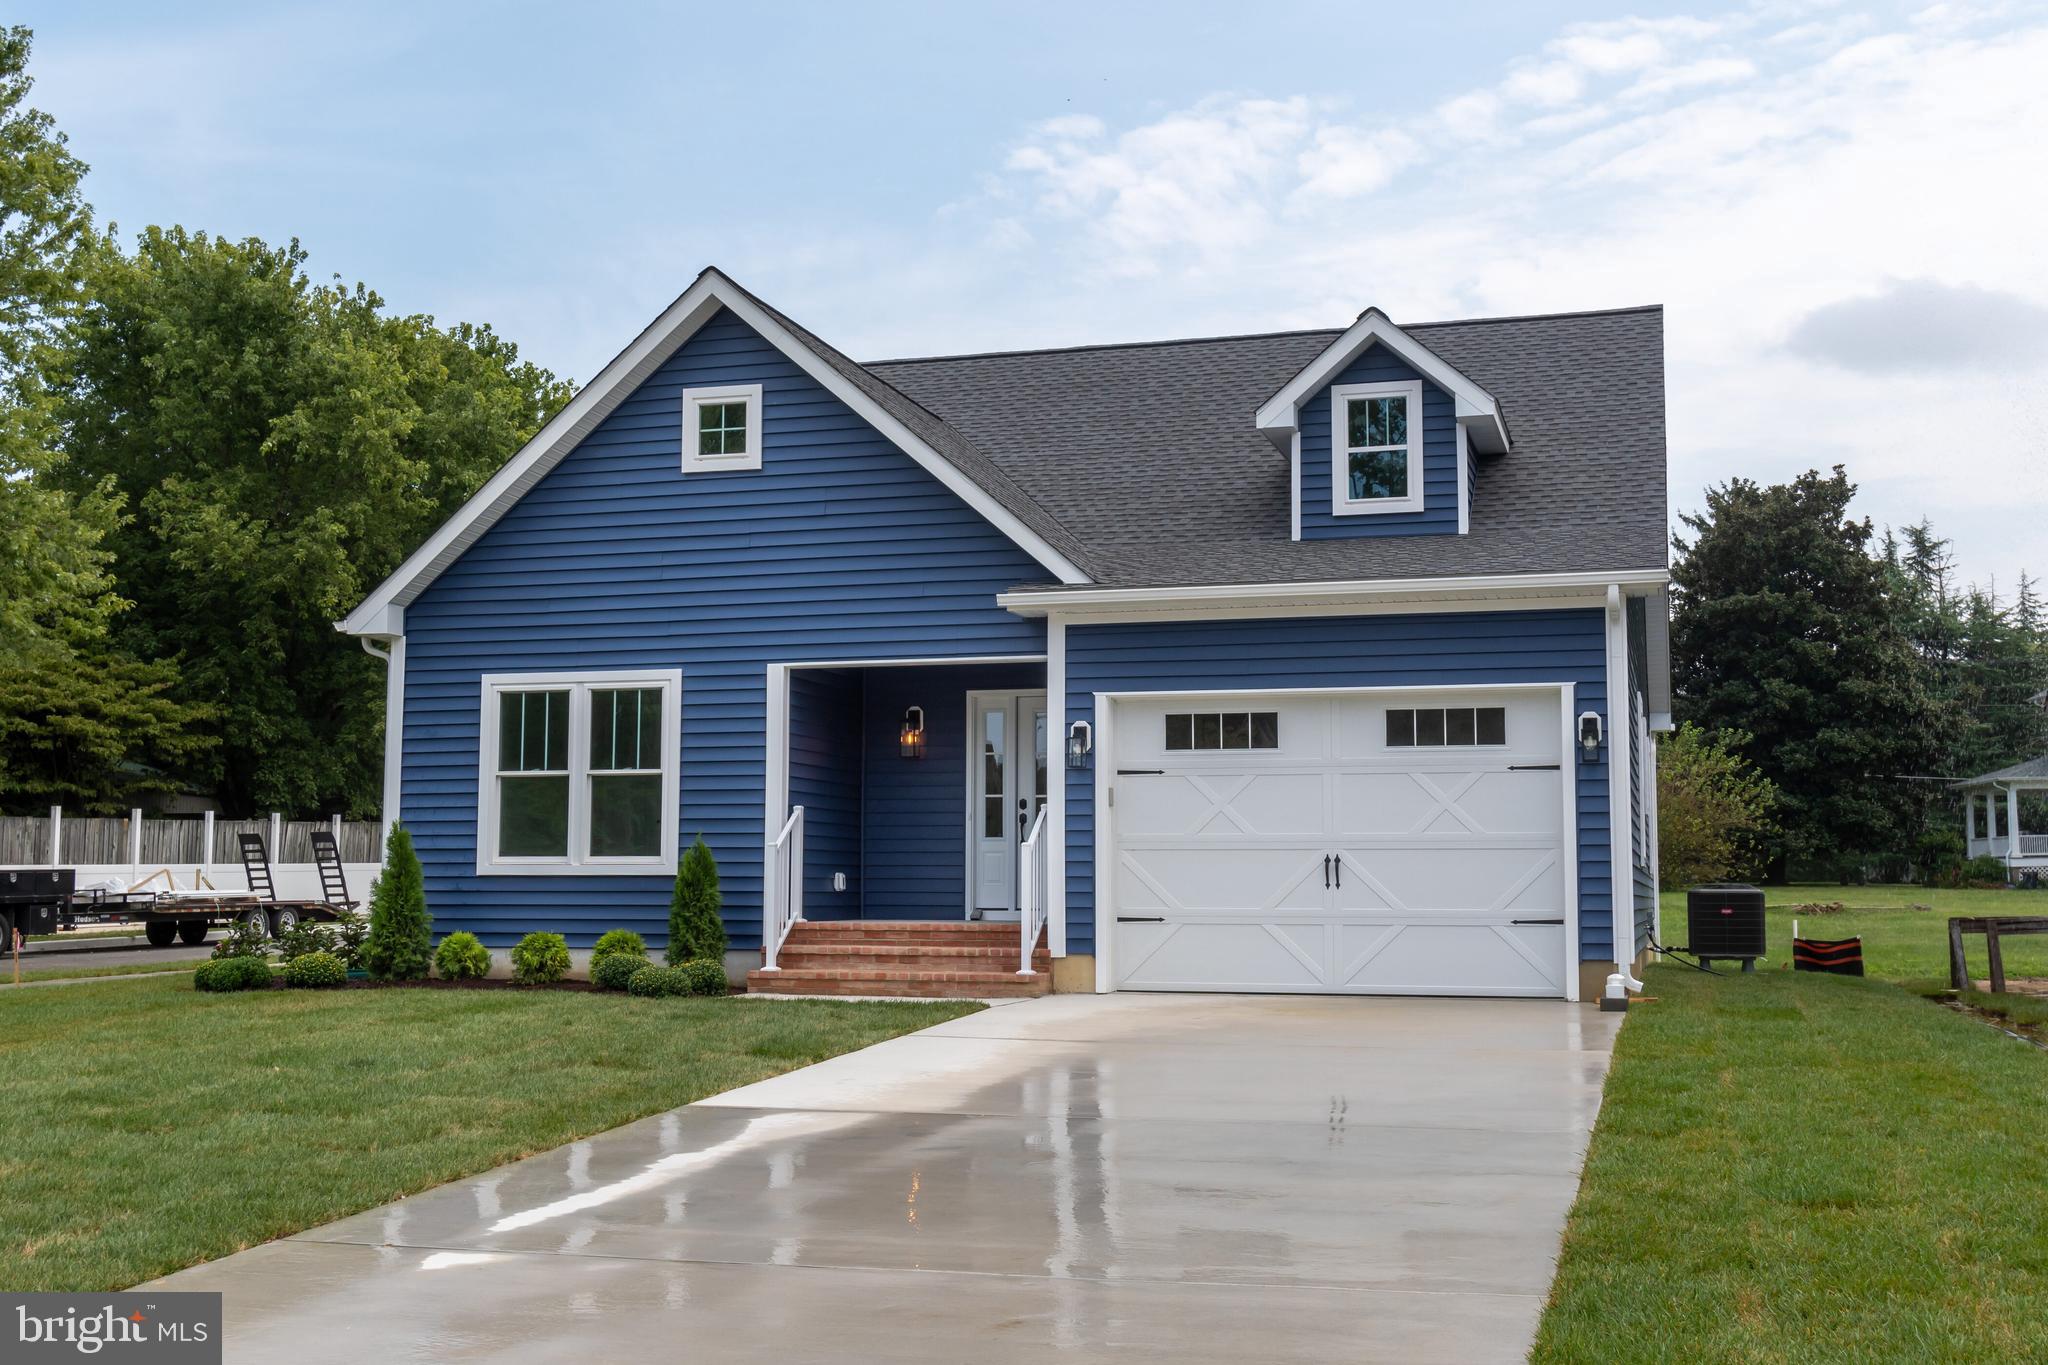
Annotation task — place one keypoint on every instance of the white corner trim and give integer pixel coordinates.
(1476, 408)
(1342, 504)
(1574, 954)
(1056, 785)
(596, 401)
(1294, 482)
(694, 461)
(1464, 482)
(1620, 817)
(577, 862)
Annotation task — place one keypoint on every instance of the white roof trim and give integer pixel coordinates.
(1478, 413)
(1039, 601)
(599, 398)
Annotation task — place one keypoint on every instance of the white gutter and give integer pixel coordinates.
(394, 727)
(1038, 601)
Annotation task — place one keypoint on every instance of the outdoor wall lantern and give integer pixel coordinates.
(911, 739)
(1080, 742)
(1589, 736)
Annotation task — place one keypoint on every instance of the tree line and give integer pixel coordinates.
(206, 458)
(1830, 683)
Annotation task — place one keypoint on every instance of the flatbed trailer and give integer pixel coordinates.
(187, 917)
(42, 900)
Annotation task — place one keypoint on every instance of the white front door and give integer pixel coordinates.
(1390, 842)
(1007, 783)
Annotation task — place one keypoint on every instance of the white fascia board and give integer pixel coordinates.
(614, 383)
(1214, 597)
(1280, 416)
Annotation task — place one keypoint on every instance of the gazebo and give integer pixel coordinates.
(1991, 816)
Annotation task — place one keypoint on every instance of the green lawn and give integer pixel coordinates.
(82, 971)
(1793, 1167)
(145, 1126)
(1899, 944)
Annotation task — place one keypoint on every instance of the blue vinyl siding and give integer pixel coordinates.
(825, 779)
(916, 810)
(839, 547)
(1566, 646)
(1439, 515)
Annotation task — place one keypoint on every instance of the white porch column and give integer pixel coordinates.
(1055, 889)
(2012, 823)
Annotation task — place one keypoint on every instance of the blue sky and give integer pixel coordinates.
(1839, 207)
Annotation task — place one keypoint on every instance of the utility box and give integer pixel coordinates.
(32, 900)
(1725, 923)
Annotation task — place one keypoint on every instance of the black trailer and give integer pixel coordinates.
(40, 900)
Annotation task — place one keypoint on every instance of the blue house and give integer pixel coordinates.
(1319, 661)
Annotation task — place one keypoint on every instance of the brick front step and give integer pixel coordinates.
(958, 985)
(870, 931)
(936, 958)
(907, 957)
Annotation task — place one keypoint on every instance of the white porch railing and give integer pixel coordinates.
(1031, 880)
(782, 886)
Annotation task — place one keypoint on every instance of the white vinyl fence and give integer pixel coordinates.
(186, 852)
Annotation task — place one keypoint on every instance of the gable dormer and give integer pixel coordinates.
(1380, 432)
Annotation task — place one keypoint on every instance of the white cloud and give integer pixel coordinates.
(1751, 171)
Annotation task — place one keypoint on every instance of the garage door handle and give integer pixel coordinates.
(1536, 921)
(1141, 919)
(1326, 871)
(1141, 772)
(1534, 767)
(1340, 871)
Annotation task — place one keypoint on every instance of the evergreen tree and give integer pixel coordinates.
(695, 929)
(401, 938)
(1786, 628)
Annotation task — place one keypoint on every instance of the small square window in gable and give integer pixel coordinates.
(721, 429)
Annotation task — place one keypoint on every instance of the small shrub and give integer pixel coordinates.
(694, 927)
(241, 973)
(705, 977)
(462, 957)
(350, 930)
(658, 981)
(1983, 871)
(242, 939)
(613, 971)
(303, 938)
(540, 959)
(401, 938)
(617, 941)
(314, 971)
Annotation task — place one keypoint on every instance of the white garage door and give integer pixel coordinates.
(1398, 843)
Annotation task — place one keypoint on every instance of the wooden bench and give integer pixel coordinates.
(1993, 928)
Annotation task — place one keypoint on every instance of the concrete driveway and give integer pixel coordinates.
(1165, 1177)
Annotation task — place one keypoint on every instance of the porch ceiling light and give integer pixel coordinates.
(911, 738)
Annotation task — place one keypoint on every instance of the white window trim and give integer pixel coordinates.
(693, 399)
(1341, 503)
(580, 685)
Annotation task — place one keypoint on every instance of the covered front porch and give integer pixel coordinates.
(909, 794)
(1999, 811)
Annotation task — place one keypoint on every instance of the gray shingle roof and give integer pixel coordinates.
(1145, 460)
(954, 447)
(2034, 769)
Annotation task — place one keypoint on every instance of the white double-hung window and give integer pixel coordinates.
(578, 772)
(1376, 448)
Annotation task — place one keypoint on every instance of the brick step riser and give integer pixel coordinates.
(922, 990)
(1010, 941)
(973, 960)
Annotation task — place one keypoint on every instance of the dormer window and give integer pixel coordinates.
(1376, 439)
(721, 429)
